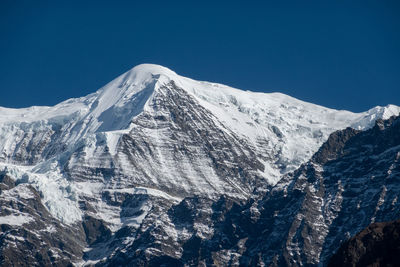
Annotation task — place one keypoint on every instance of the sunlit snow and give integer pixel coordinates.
(90, 128)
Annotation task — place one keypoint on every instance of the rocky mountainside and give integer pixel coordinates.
(351, 181)
(158, 168)
(376, 245)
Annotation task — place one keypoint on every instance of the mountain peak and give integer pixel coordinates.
(142, 74)
(153, 69)
(137, 78)
(124, 97)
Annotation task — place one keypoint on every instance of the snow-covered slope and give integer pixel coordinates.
(151, 127)
(270, 122)
(98, 166)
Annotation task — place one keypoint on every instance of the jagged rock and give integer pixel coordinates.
(377, 245)
(95, 230)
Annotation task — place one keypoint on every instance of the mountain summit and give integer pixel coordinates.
(146, 141)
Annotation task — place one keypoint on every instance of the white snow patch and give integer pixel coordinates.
(17, 220)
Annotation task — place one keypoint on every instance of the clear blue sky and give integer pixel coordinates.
(340, 54)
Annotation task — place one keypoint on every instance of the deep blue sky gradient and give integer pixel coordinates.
(340, 54)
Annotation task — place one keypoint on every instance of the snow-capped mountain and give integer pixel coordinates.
(93, 172)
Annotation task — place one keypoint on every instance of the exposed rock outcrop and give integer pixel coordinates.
(376, 245)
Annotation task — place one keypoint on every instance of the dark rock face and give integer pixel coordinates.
(95, 230)
(195, 232)
(334, 146)
(377, 245)
(6, 182)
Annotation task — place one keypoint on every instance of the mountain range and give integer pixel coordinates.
(155, 168)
